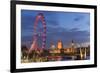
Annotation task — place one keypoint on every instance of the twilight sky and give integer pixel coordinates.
(66, 26)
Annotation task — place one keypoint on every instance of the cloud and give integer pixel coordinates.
(74, 29)
(52, 23)
(78, 18)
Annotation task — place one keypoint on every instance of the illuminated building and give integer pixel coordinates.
(59, 44)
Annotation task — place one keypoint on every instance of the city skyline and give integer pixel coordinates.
(65, 26)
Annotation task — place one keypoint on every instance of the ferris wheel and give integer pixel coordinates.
(34, 45)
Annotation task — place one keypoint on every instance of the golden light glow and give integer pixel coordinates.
(59, 44)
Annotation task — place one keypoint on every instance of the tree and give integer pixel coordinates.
(24, 51)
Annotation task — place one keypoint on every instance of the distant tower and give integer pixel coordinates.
(59, 44)
(52, 46)
(72, 46)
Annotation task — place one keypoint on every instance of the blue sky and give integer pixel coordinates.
(65, 26)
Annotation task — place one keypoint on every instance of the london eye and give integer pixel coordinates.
(34, 45)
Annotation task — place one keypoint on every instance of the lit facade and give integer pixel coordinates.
(59, 44)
